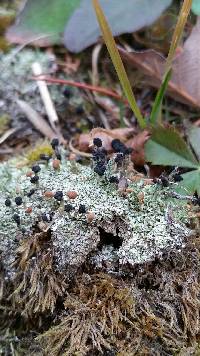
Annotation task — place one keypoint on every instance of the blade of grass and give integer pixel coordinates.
(159, 99)
(185, 10)
(117, 62)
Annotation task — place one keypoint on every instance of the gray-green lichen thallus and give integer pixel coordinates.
(78, 206)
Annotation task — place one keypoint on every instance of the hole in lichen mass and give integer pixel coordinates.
(107, 238)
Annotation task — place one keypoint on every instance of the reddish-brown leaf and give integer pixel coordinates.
(137, 143)
(184, 85)
(85, 140)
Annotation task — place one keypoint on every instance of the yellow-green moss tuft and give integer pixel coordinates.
(4, 122)
(33, 154)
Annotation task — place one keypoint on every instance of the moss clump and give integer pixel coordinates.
(4, 122)
(34, 154)
(98, 311)
(6, 17)
(36, 285)
(154, 313)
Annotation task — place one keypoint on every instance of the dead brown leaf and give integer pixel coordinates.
(85, 140)
(137, 143)
(126, 135)
(186, 73)
(184, 85)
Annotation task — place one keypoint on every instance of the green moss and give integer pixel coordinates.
(4, 122)
(33, 154)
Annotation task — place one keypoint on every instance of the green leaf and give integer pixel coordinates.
(42, 18)
(159, 99)
(123, 16)
(117, 62)
(196, 7)
(166, 147)
(190, 183)
(194, 137)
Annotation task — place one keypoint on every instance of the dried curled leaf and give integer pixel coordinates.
(85, 140)
(184, 83)
(137, 143)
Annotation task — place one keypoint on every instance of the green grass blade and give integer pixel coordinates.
(185, 10)
(159, 99)
(117, 62)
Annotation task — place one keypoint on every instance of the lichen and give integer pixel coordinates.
(16, 83)
(16, 71)
(143, 228)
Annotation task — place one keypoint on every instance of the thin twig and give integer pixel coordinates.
(101, 90)
(7, 134)
(45, 95)
(104, 119)
(77, 152)
(95, 57)
(108, 106)
(182, 197)
(36, 119)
